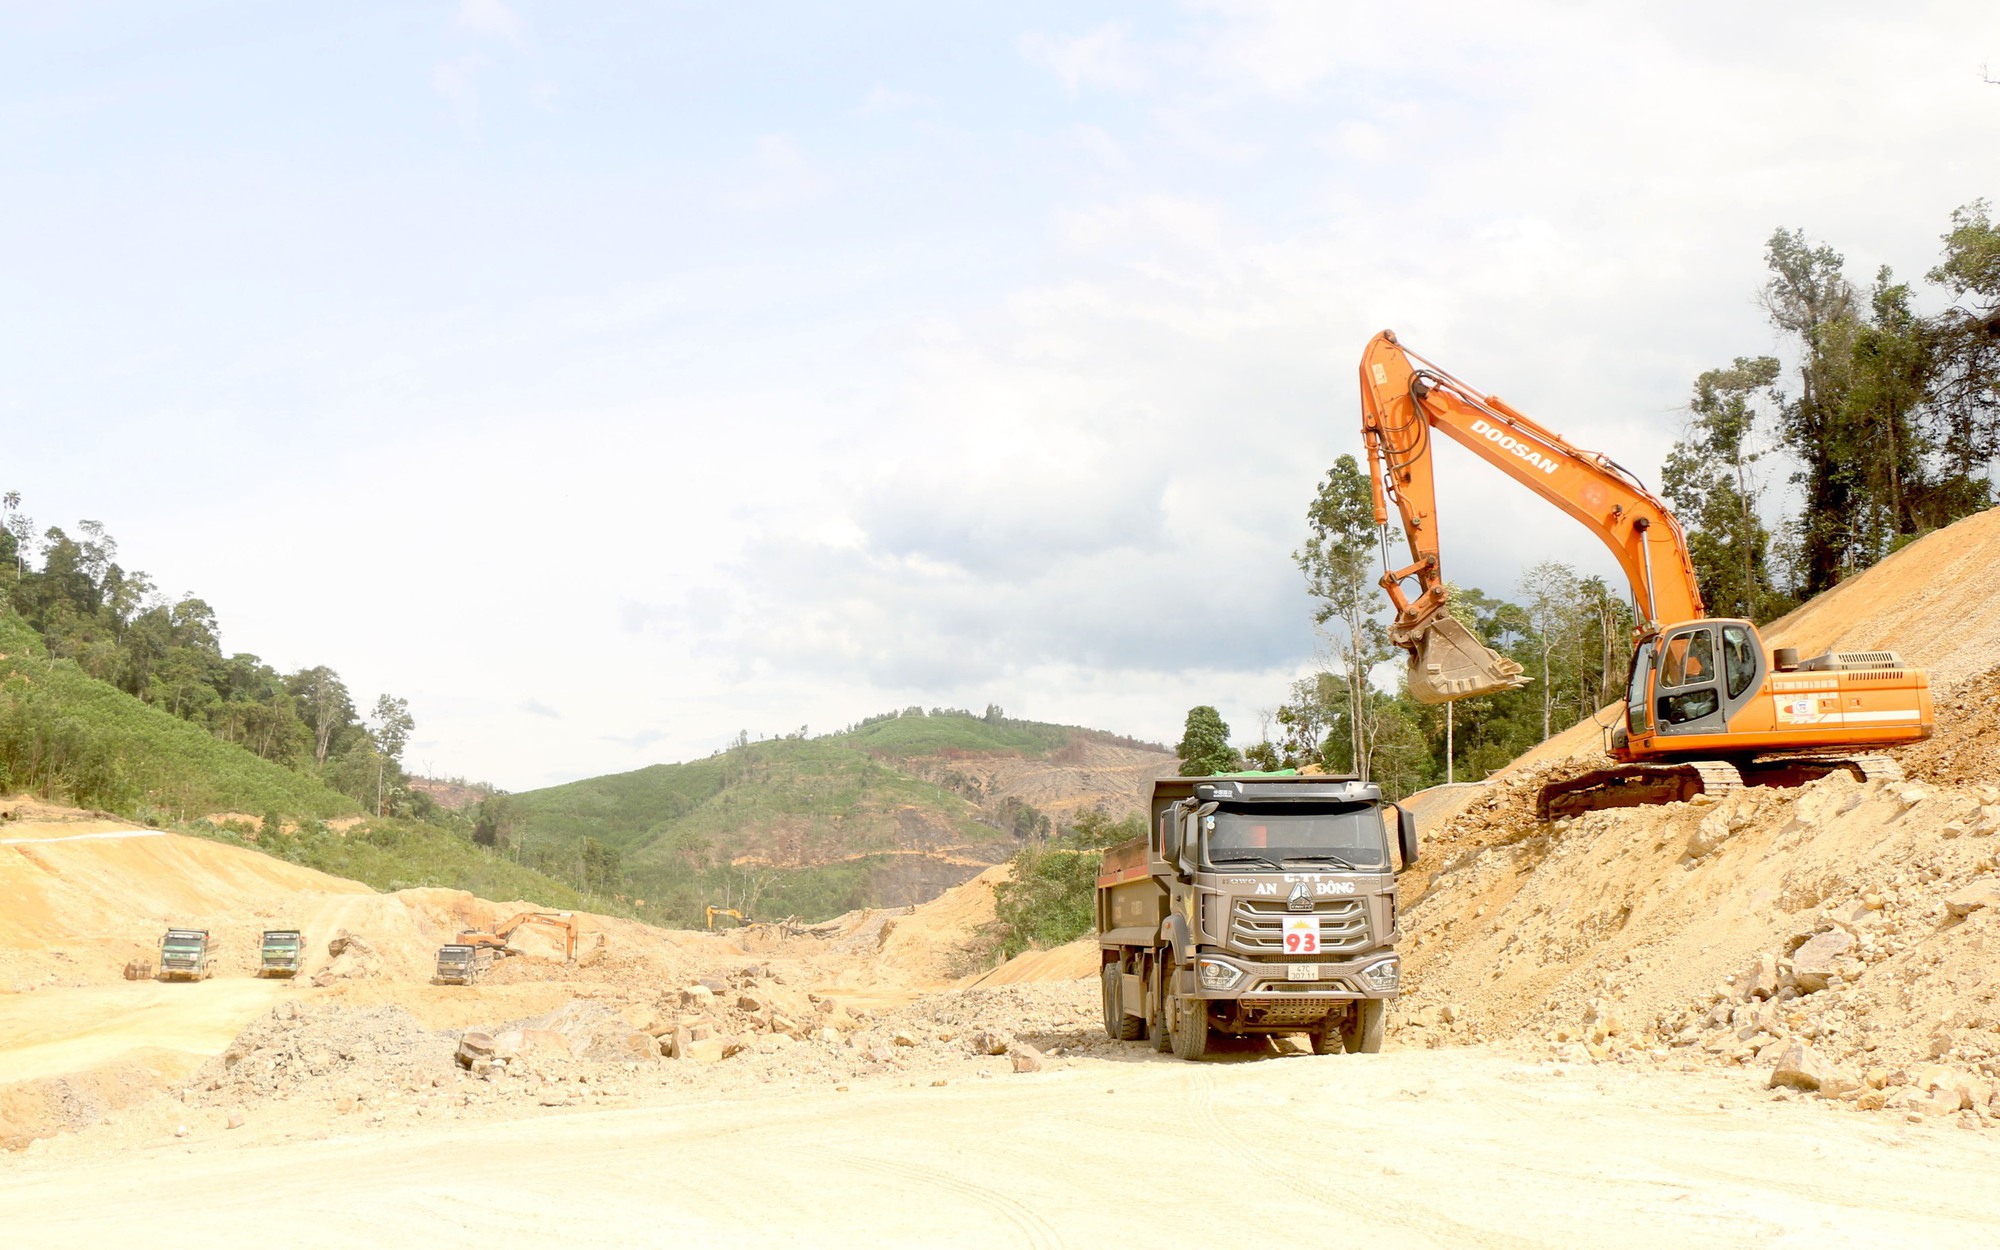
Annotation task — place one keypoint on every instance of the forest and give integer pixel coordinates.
(117, 627)
(1877, 424)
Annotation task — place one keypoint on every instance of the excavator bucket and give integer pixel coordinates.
(1448, 662)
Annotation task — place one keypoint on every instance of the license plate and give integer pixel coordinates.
(1301, 972)
(1302, 935)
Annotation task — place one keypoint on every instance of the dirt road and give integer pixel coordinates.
(1465, 1148)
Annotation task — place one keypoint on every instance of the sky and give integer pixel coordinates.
(610, 379)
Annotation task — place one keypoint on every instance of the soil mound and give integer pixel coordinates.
(1837, 937)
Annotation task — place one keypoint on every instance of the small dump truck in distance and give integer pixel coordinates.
(281, 951)
(1256, 903)
(184, 955)
(460, 964)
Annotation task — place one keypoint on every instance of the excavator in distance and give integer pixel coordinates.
(1709, 708)
(495, 939)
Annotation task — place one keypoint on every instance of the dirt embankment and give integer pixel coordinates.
(1839, 937)
(81, 898)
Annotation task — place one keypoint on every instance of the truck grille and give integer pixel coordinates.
(1258, 924)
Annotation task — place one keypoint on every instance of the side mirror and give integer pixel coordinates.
(1406, 835)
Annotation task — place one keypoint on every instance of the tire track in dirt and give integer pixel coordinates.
(1035, 1231)
(1199, 1099)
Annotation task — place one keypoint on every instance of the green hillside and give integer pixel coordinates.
(68, 736)
(65, 733)
(791, 826)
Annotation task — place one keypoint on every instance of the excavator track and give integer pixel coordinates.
(1636, 785)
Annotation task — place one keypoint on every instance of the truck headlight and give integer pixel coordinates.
(1216, 975)
(1384, 975)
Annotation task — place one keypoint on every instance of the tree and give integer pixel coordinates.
(1809, 298)
(1711, 480)
(393, 726)
(1204, 746)
(324, 706)
(1336, 559)
(1551, 591)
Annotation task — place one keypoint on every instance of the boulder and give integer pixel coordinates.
(1027, 1058)
(1967, 899)
(987, 1042)
(1814, 963)
(1799, 1066)
(903, 1037)
(707, 1050)
(473, 1047)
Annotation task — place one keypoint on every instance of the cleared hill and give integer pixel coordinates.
(62, 730)
(886, 814)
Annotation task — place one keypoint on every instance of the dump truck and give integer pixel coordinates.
(281, 951)
(184, 955)
(1256, 903)
(460, 964)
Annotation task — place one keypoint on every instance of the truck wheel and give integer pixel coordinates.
(1107, 980)
(1361, 1032)
(1189, 1025)
(1163, 1040)
(1328, 1038)
(1121, 1026)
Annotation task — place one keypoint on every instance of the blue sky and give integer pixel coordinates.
(606, 380)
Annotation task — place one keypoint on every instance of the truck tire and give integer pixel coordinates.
(1163, 1040)
(1361, 1032)
(1108, 984)
(1328, 1038)
(1188, 1022)
(1125, 1027)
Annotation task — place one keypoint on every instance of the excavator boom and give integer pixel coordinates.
(1403, 398)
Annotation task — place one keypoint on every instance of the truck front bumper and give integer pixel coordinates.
(1218, 976)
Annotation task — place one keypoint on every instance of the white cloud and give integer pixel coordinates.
(491, 19)
(1102, 58)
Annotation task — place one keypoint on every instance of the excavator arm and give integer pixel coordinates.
(1403, 399)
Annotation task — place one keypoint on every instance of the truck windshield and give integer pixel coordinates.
(1308, 834)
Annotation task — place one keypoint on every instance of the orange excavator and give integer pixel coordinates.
(495, 939)
(1708, 707)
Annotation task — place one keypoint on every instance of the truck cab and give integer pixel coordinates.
(1257, 903)
(184, 955)
(280, 953)
(460, 964)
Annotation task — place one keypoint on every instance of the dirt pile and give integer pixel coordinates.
(329, 1053)
(1837, 937)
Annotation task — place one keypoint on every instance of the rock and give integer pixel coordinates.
(1709, 835)
(987, 1042)
(180, 1130)
(714, 985)
(675, 1044)
(697, 996)
(643, 1018)
(343, 941)
(1967, 899)
(1026, 1058)
(903, 1037)
(733, 1046)
(1801, 1067)
(747, 1001)
(1761, 980)
(1872, 1099)
(826, 1036)
(235, 1120)
(553, 1096)
(1814, 963)
(1921, 1102)
(474, 1047)
(706, 1050)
